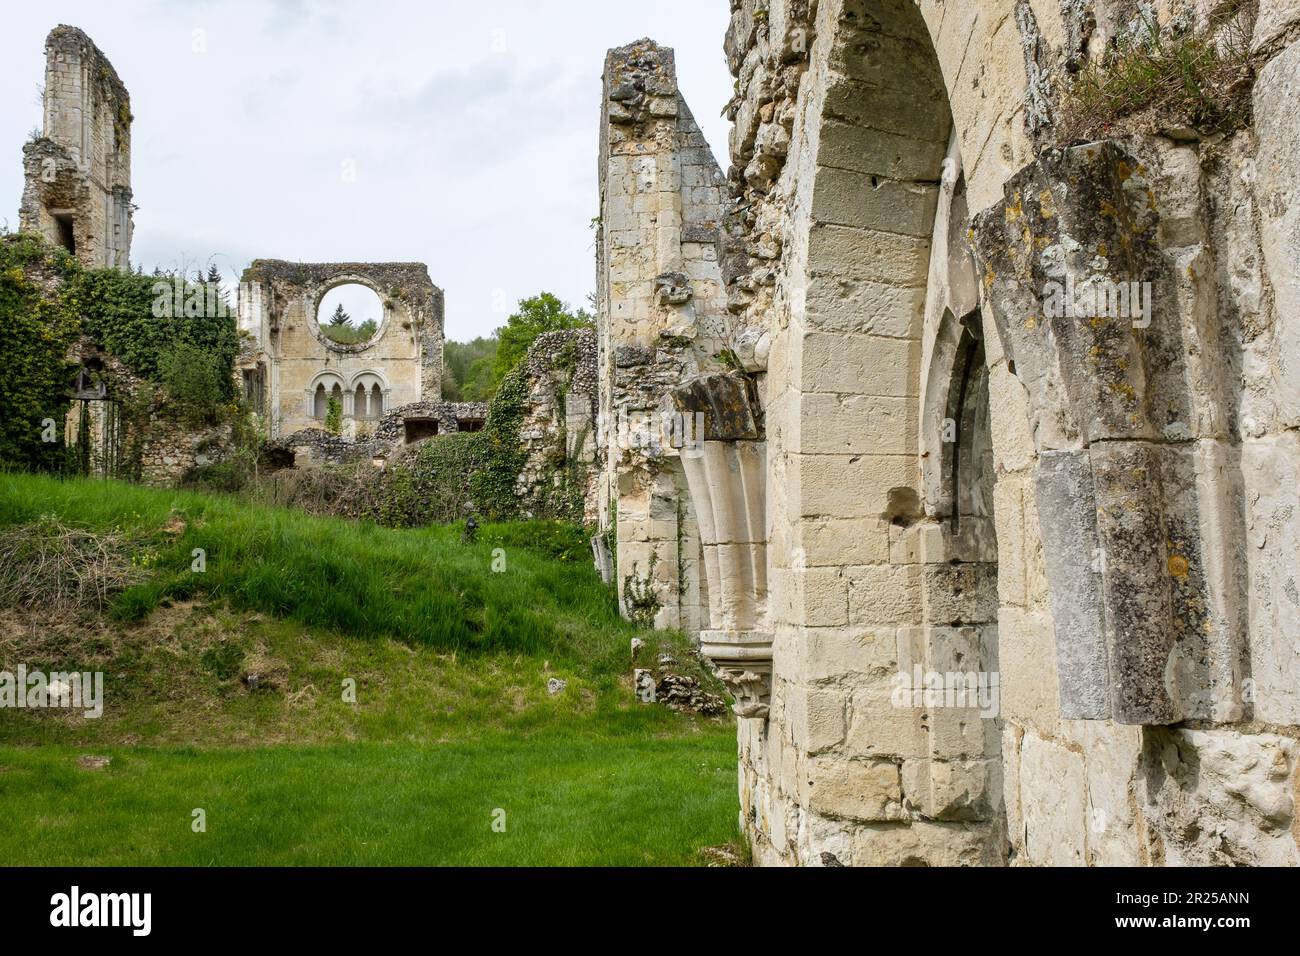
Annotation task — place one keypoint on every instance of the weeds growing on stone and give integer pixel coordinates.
(1153, 82)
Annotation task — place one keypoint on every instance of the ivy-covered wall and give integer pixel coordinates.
(40, 327)
(166, 371)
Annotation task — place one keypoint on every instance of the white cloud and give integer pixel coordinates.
(470, 128)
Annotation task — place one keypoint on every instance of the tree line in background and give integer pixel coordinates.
(474, 370)
(339, 328)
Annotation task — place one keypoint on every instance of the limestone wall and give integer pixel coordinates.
(1096, 512)
(661, 320)
(278, 302)
(77, 173)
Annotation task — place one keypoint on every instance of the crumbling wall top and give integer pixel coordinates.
(389, 276)
(71, 41)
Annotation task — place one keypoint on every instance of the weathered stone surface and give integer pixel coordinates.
(857, 790)
(1220, 798)
(77, 173)
(1096, 507)
(1277, 186)
(1052, 793)
(1071, 550)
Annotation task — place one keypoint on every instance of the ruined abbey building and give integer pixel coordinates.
(916, 466)
(77, 172)
(77, 195)
(994, 577)
(387, 388)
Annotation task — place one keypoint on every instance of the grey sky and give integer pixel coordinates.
(462, 135)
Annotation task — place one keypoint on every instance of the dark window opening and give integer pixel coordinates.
(278, 458)
(420, 428)
(968, 468)
(67, 236)
(255, 388)
(470, 424)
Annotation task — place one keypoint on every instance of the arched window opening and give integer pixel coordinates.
(350, 314)
(968, 467)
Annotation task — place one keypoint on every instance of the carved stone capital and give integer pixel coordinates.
(751, 687)
(743, 661)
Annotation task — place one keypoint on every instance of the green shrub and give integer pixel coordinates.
(334, 416)
(195, 381)
(234, 474)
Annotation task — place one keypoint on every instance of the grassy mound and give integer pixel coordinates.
(523, 588)
(331, 692)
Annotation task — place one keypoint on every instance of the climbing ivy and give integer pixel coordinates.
(493, 484)
(38, 331)
(334, 416)
(119, 310)
(48, 301)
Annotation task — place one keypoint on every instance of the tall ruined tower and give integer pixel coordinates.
(660, 322)
(77, 173)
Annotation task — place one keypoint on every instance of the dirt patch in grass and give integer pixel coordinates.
(182, 677)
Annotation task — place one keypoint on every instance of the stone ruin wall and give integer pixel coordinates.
(661, 319)
(167, 449)
(315, 446)
(77, 194)
(1113, 531)
(278, 305)
(558, 431)
(77, 172)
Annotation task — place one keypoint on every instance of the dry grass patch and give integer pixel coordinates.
(46, 564)
(1195, 84)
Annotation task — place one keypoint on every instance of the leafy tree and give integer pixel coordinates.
(541, 313)
(467, 370)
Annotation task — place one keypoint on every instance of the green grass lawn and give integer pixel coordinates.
(451, 718)
(565, 802)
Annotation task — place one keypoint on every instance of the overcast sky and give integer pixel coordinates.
(461, 135)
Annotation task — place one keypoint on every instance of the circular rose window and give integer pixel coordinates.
(350, 315)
